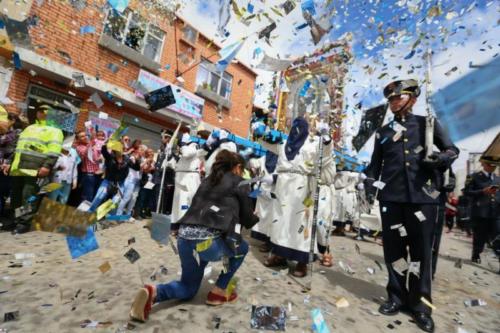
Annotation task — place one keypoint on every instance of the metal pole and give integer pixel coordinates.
(429, 121)
(315, 213)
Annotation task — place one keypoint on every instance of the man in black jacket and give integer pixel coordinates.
(485, 211)
(408, 191)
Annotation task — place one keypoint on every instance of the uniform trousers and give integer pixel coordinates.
(408, 230)
(483, 230)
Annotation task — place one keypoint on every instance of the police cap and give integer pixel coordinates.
(400, 87)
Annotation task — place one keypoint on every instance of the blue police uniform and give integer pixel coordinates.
(408, 191)
(485, 210)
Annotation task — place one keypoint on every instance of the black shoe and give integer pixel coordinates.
(424, 321)
(476, 260)
(21, 229)
(390, 308)
(8, 226)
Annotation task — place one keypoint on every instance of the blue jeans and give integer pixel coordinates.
(61, 195)
(103, 194)
(89, 185)
(192, 272)
(131, 189)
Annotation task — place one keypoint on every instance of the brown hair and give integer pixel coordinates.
(225, 161)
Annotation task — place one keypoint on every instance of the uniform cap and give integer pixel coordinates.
(400, 87)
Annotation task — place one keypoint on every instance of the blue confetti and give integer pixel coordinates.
(88, 29)
(308, 6)
(410, 55)
(250, 8)
(17, 61)
(81, 246)
(383, 140)
(118, 5)
(301, 26)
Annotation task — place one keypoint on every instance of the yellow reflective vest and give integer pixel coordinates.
(39, 145)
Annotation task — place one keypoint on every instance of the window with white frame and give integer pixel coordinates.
(213, 80)
(135, 32)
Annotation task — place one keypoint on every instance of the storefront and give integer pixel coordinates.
(65, 108)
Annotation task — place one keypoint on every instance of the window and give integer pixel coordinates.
(190, 34)
(133, 30)
(218, 82)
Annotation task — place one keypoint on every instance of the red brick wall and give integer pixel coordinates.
(18, 91)
(59, 30)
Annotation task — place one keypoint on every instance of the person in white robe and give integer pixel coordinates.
(265, 168)
(326, 209)
(345, 199)
(215, 145)
(293, 211)
(187, 178)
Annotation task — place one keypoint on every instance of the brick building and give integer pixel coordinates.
(59, 44)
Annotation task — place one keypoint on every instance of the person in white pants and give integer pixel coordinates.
(187, 177)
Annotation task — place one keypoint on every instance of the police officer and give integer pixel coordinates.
(483, 189)
(407, 189)
(36, 153)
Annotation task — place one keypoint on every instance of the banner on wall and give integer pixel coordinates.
(106, 124)
(187, 103)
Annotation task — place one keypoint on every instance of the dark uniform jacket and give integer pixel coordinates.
(169, 172)
(484, 206)
(221, 206)
(399, 162)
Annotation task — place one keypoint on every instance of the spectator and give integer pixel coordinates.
(169, 183)
(9, 134)
(66, 174)
(117, 166)
(134, 147)
(37, 150)
(125, 140)
(90, 165)
(145, 199)
(451, 211)
(132, 182)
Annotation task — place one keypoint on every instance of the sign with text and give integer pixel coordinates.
(186, 103)
(99, 123)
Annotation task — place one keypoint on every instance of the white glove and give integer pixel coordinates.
(360, 186)
(223, 134)
(256, 125)
(164, 163)
(322, 127)
(185, 138)
(211, 140)
(267, 179)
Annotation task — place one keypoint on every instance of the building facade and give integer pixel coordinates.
(92, 62)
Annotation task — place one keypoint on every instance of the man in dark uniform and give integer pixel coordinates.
(408, 191)
(485, 211)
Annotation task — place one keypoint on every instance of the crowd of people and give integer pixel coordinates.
(210, 190)
(88, 168)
